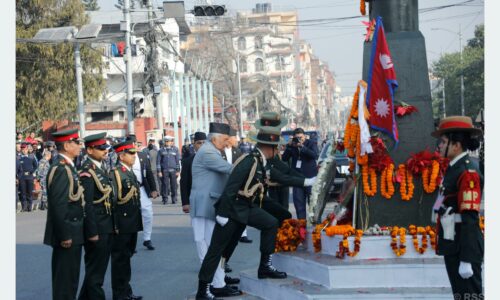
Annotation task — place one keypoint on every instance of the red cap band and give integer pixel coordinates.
(66, 138)
(125, 147)
(95, 143)
(455, 124)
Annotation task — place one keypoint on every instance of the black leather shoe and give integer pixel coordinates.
(148, 245)
(230, 280)
(204, 293)
(227, 268)
(225, 291)
(133, 297)
(245, 239)
(164, 201)
(266, 269)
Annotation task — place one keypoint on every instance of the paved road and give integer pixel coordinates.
(169, 272)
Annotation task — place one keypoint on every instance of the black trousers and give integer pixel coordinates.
(96, 258)
(221, 237)
(280, 194)
(26, 188)
(65, 271)
(168, 185)
(122, 249)
(471, 288)
(270, 206)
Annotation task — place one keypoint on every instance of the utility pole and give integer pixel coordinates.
(462, 88)
(211, 99)
(182, 106)
(444, 99)
(201, 121)
(205, 102)
(174, 106)
(195, 105)
(239, 91)
(188, 106)
(128, 62)
(79, 89)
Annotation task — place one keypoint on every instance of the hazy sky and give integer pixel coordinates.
(340, 44)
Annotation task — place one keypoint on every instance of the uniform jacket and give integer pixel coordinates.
(232, 204)
(186, 180)
(66, 207)
(43, 171)
(148, 180)
(28, 166)
(99, 197)
(245, 147)
(209, 173)
(469, 240)
(308, 155)
(187, 151)
(127, 204)
(153, 155)
(168, 158)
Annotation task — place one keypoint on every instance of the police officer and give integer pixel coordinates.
(64, 227)
(28, 166)
(167, 164)
(98, 226)
(127, 220)
(460, 238)
(240, 205)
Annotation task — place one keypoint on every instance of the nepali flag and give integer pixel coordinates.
(382, 84)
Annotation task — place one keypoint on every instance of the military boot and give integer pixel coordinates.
(266, 269)
(204, 293)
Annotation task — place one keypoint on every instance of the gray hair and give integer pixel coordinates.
(213, 135)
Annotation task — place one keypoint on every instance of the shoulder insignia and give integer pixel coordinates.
(85, 174)
(124, 169)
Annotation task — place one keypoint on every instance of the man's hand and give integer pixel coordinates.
(465, 270)
(154, 194)
(160, 175)
(66, 243)
(185, 208)
(94, 238)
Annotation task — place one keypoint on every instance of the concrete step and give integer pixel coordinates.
(293, 288)
(332, 272)
(245, 296)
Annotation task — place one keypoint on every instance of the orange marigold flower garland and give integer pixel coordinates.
(386, 183)
(432, 236)
(415, 231)
(369, 189)
(316, 235)
(481, 223)
(290, 235)
(430, 181)
(401, 249)
(344, 244)
(362, 8)
(406, 187)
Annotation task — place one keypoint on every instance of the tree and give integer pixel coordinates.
(45, 74)
(449, 68)
(91, 5)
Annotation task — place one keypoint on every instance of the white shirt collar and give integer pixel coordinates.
(457, 158)
(126, 167)
(98, 164)
(70, 161)
(264, 160)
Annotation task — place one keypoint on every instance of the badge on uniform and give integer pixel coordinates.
(299, 164)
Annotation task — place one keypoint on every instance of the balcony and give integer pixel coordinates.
(116, 65)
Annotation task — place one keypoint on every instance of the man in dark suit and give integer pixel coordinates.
(98, 225)
(186, 174)
(127, 220)
(143, 172)
(303, 153)
(28, 166)
(64, 227)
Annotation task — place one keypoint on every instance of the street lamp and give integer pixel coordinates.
(462, 88)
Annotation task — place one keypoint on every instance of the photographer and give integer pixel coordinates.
(304, 153)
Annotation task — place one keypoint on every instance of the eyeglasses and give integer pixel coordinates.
(76, 141)
(102, 147)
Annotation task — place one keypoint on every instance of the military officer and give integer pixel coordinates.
(28, 166)
(41, 174)
(240, 205)
(167, 164)
(98, 225)
(127, 220)
(460, 238)
(64, 227)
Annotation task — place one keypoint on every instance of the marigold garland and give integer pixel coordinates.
(415, 231)
(369, 189)
(432, 236)
(481, 223)
(344, 244)
(289, 235)
(386, 184)
(316, 235)
(430, 181)
(406, 187)
(401, 249)
(362, 8)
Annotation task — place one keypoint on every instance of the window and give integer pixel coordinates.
(243, 66)
(242, 43)
(101, 116)
(259, 65)
(258, 42)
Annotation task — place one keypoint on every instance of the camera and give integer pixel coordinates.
(295, 140)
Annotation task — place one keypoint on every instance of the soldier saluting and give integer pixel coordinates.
(127, 220)
(64, 227)
(98, 225)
